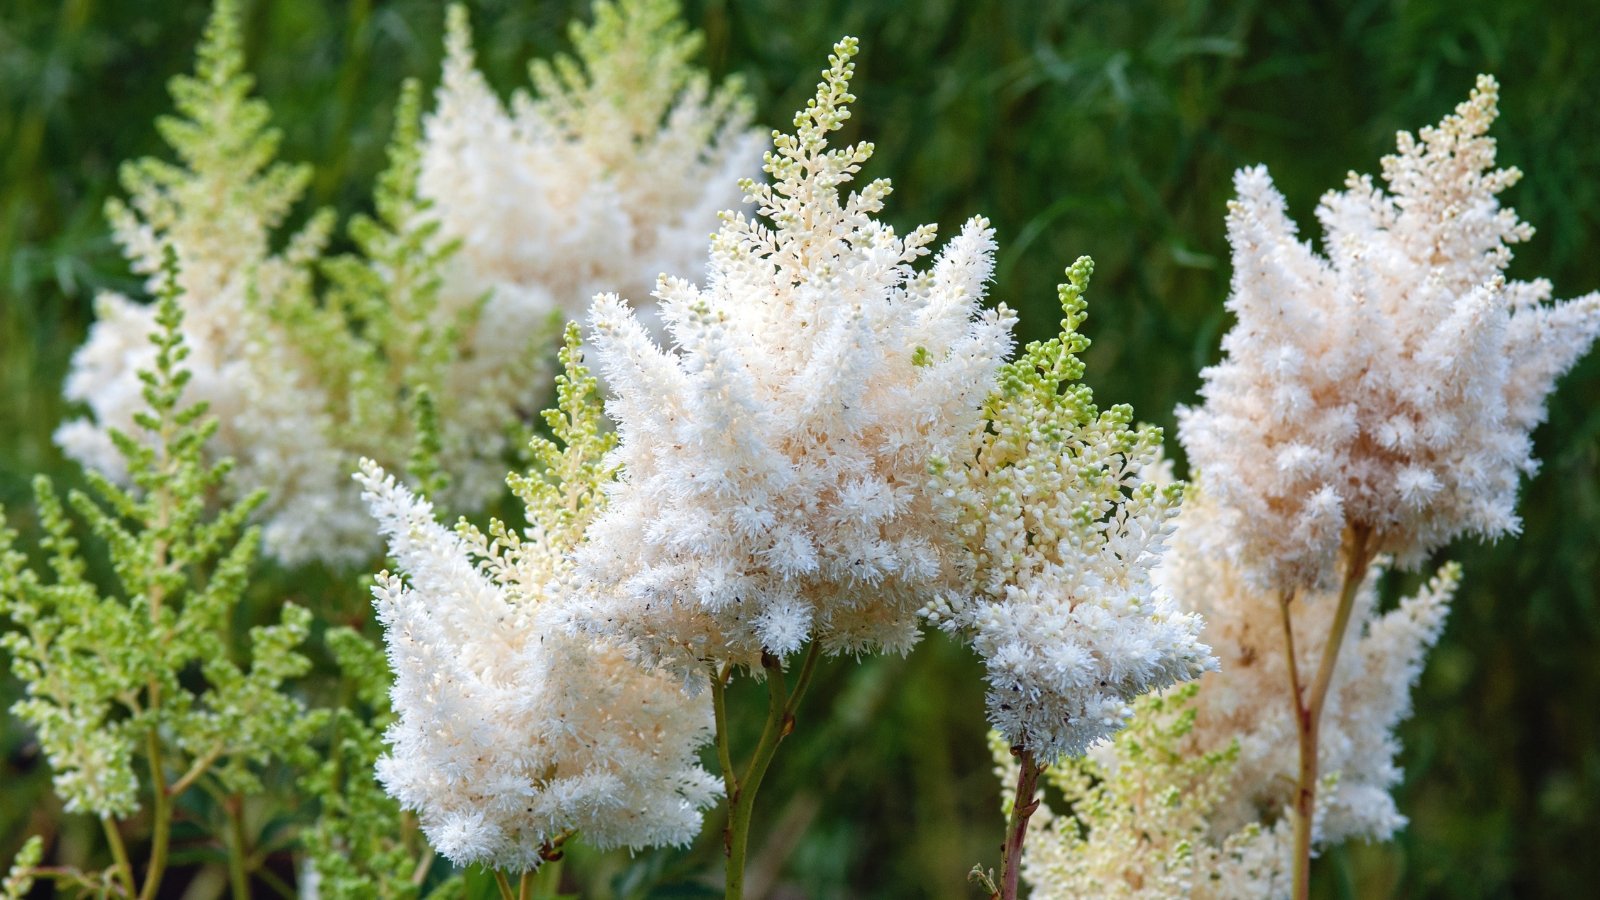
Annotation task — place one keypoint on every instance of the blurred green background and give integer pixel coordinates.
(1110, 129)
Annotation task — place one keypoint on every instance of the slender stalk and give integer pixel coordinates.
(505, 886)
(1308, 706)
(277, 884)
(420, 873)
(781, 706)
(719, 706)
(119, 852)
(238, 852)
(161, 818)
(1022, 809)
(525, 885)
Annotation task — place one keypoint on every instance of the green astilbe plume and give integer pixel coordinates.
(564, 488)
(1135, 817)
(110, 672)
(393, 370)
(219, 205)
(627, 71)
(19, 881)
(570, 469)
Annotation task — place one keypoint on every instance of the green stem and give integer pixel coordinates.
(781, 706)
(119, 852)
(277, 884)
(1308, 709)
(161, 817)
(505, 886)
(237, 849)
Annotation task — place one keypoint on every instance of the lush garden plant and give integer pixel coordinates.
(805, 446)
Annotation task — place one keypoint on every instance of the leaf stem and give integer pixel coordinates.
(161, 816)
(505, 886)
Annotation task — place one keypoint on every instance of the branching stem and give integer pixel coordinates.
(1308, 706)
(782, 702)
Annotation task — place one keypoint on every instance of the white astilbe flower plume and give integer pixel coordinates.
(511, 732)
(774, 487)
(612, 172)
(1391, 385)
(304, 384)
(1370, 695)
(1064, 522)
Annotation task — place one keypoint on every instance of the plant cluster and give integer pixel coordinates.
(813, 440)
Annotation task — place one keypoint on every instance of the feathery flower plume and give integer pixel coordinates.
(609, 174)
(773, 488)
(1370, 695)
(1064, 523)
(217, 209)
(1138, 818)
(1374, 403)
(511, 734)
(1391, 385)
(1064, 513)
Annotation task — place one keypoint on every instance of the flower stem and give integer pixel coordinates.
(505, 886)
(119, 852)
(781, 705)
(1308, 707)
(238, 852)
(161, 818)
(1022, 808)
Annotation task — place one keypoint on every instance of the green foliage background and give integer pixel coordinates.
(1110, 129)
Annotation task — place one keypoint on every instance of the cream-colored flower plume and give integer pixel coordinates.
(1391, 384)
(774, 456)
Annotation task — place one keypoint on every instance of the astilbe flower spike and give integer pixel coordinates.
(217, 210)
(489, 227)
(1368, 699)
(1064, 513)
(510, 733)
(773, 489)
(1373, 404)
(1064, 521)
(150, 669)
(1391, 384)
(610, 172)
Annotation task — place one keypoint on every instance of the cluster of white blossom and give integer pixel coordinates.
(774, 485)
(1246, 701)
(1064, 523)
(490, 228)
(610, 173)
(1390, 385)
(510, 734)
(1373, 405)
